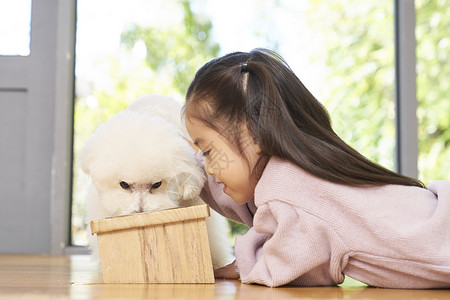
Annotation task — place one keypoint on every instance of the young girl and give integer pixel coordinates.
(316, 208)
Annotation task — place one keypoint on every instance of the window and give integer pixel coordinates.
(15, 24)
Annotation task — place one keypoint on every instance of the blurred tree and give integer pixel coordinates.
(176, 52)
(359, 84)
(433, 88)
(359, 81)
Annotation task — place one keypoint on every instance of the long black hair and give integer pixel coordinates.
(259, 90)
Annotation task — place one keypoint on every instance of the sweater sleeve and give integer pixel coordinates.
(280, 249)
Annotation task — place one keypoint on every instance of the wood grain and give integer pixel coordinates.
(150, 218)
(43, 277)
(159, 247)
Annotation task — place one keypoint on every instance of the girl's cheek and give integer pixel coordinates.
(208, 167)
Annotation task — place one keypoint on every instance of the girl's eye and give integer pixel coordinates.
(206, 153)
(124, 185)
(156, 185)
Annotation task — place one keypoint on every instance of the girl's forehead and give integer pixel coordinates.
(200, 128)
(196, 128)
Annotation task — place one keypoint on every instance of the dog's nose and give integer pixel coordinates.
(141, 202)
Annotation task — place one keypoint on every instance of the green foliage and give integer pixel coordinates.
(433, 88)
(359, 84)
(237, 229)
(177, 51)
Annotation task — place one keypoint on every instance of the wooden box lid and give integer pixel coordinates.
(150, 219)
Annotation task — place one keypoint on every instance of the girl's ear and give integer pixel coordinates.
(257, 148)
(248, 136)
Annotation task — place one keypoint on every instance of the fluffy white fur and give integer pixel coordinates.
(138, 162)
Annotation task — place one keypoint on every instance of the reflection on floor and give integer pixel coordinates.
(76, 277)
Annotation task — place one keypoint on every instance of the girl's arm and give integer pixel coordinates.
(284, 247)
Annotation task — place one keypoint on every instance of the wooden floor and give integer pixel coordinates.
(75, 277)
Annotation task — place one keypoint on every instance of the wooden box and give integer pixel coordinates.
(168, 246)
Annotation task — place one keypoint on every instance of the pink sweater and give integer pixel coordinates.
(306, 231)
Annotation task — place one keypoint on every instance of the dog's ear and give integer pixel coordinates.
(184, 188)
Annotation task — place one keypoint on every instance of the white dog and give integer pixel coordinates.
(138, 161)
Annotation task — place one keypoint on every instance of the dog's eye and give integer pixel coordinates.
(124, 185)
(156, 185)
